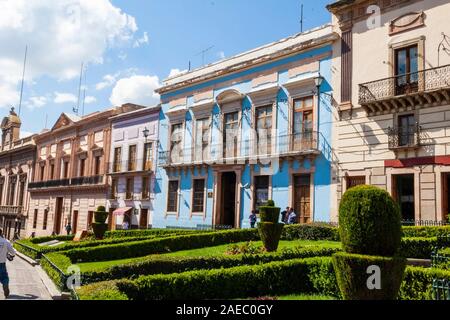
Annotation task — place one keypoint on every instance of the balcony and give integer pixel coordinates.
(49, 184)
(426, 88)
(404, 137)
(287, 146)
(122, 167)
(86, 181)
(74, 182)
(12, 211)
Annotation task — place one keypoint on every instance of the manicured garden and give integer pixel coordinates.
(283, 262)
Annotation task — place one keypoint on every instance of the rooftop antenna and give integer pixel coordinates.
(23, 78)
(84, 93)
(46, 119)
(301, 18)
(203, 52)
(76, 109)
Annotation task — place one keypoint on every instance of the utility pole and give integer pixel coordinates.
(23, 78)
(301, 18)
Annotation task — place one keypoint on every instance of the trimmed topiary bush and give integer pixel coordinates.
(101, 215)
(270, 234)
(370, 231)
(353, 277)
(99, 226)
(369, 222)
(269, 229)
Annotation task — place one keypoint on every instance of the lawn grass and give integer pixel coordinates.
(202, 252)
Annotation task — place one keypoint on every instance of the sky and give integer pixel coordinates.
(127, 47)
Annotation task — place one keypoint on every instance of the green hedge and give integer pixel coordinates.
(425, 232)
(34, 251)
(312, 275)
(418, 283)
(55, 265)
(314, 231)
(166, 265)
(441, 259)
(51, 238)
(150, 232)
(418, 248)
(162, 245)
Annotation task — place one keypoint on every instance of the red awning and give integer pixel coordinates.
(122, 211)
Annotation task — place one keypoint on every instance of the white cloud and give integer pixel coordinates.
(36, 102)
(136, 89)
(108, 81)
(60, 35)
(143, 40)
(65, 98)
(175, 72)
(90, 99)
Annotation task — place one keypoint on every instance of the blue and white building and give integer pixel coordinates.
(250, 128)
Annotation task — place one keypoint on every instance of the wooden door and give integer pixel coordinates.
(111, 220)
(58, 215)
(302, 198)
(143, 220)
(75, 222)
(90, 219)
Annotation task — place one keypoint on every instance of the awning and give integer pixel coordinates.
(122, 211)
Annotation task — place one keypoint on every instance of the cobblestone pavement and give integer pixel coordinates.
(24, 282)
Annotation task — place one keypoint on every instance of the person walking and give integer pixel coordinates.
(285, 215)
(292, 217)
(68, 228)
(253, 218)
(7, 252)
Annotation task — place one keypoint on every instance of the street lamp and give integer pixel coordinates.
(318, 81)
(146, 133)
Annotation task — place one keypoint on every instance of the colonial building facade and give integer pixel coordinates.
(392, 84)
(17, 158)
(70, 179)
(250, 128)
(132, 166)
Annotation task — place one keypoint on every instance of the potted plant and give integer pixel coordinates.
(370, 231)
(99, 226)
(269, 228)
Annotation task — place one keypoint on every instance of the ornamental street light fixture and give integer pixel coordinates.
(318, 81)
(146, 133)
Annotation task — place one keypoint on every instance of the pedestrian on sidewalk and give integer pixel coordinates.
(68, 228)
(7, 252)
(253, 219)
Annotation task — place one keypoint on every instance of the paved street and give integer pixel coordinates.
(25, 283)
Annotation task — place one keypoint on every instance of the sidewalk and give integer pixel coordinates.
(24, 282)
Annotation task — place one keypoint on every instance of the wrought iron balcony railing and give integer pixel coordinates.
(415, 86)
(246, 149)
(80, 181)
(404, 137)
(11, 210)
(130, 166)
(49, 184)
